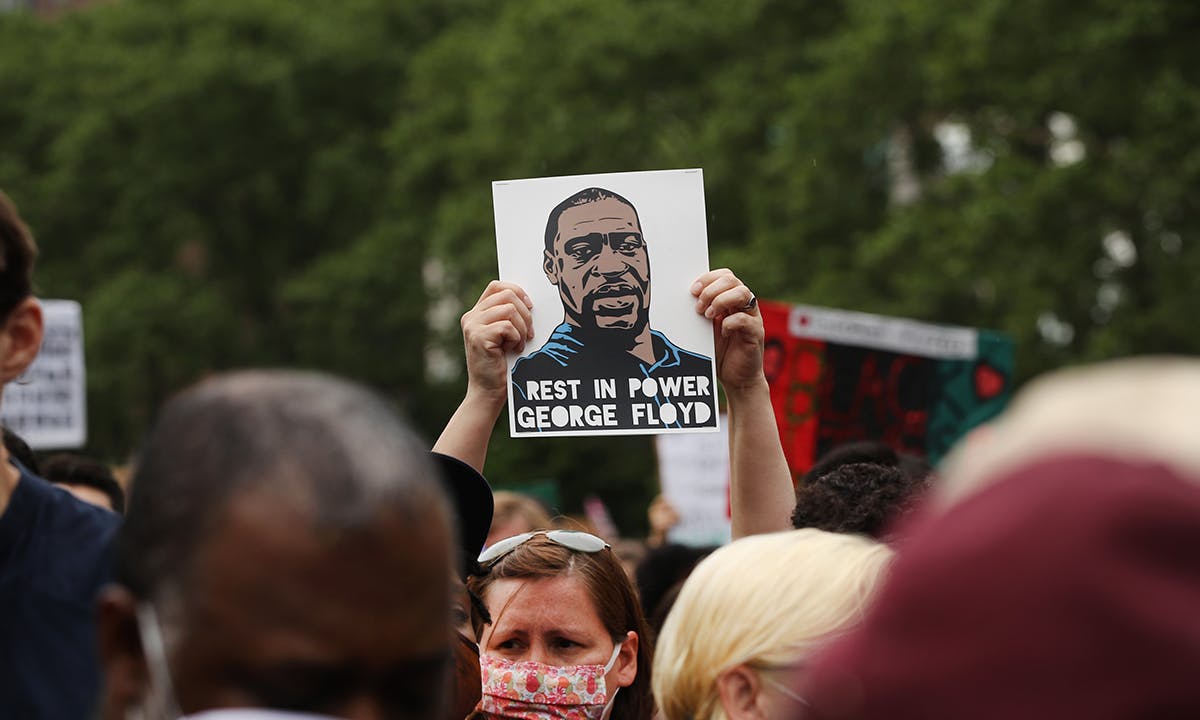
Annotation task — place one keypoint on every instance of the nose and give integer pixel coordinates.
(539, 655)
(610, 262)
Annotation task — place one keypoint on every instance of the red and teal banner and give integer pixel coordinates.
(838, 376)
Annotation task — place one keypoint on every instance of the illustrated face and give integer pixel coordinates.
(552, 621)
(286, 616)
(601, 266)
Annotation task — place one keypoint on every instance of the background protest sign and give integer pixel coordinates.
(47, 405)
(609, 355)
(693, 471)
(838, 376)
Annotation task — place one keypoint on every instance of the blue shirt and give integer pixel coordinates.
(55, 555)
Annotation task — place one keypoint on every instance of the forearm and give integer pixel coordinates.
(467, 433)
(761, 492)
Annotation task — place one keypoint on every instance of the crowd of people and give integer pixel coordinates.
(290, 548)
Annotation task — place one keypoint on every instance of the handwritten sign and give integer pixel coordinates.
(47, 405)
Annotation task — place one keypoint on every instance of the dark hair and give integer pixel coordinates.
(16, 260)
(331, 444)
(861, 451)
(19, 449)
(661, 570)
(612, 593)
(862, 498)
(583, 197)
(66, 469)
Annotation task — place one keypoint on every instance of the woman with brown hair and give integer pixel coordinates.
(566, 637)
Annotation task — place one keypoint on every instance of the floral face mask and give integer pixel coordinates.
(527, 690)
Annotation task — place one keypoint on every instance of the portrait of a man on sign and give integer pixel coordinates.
(604, 367)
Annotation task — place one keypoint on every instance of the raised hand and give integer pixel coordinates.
(737, 328)
(500, 322)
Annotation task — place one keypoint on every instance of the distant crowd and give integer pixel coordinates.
(287, 546)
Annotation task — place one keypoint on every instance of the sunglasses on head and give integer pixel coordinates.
(570, 539)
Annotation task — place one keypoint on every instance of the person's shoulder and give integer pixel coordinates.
(552, 359)
(686, 359)
(64, 544)
(51, 510)
(537, 364)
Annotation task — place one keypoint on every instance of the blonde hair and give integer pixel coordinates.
(768, 599)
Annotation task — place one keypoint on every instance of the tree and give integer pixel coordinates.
(234, 182)
(209, 179)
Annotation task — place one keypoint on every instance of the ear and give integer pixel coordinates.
(20, 339)
(625, 668)
(125, 675)
(550, 267)
(738, 689)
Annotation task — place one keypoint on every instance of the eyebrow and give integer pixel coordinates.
(557, 631)
(601, 219)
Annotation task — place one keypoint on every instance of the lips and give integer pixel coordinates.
(614, 299)
(613, 305)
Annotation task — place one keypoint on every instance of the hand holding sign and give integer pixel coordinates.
(737, 328)
(500, 322)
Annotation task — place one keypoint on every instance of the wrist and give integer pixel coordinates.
(747, 389)
(483, 398)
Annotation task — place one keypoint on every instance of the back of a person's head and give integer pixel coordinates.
(766, 599)
(70, 469)
(17, 253)
(327, 445)
(859, 451)
(1054, 570)
(864, 498)
(662, 569)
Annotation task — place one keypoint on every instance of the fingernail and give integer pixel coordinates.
(709, 313)
(697, 287)
(528, 300)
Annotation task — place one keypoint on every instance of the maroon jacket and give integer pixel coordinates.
(1067, 585)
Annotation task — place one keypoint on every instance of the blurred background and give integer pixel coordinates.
(227, 183)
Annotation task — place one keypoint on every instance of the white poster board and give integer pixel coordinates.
(604, 358)
(47, 405)
(693, 471)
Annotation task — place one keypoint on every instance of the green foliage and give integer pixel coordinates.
(238, 182)
(209, 179)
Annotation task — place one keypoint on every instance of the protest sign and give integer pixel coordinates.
(604, 358)
(693, 471)
(838, 376)
(47, 405)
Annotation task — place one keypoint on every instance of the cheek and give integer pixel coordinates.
(641, 268)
